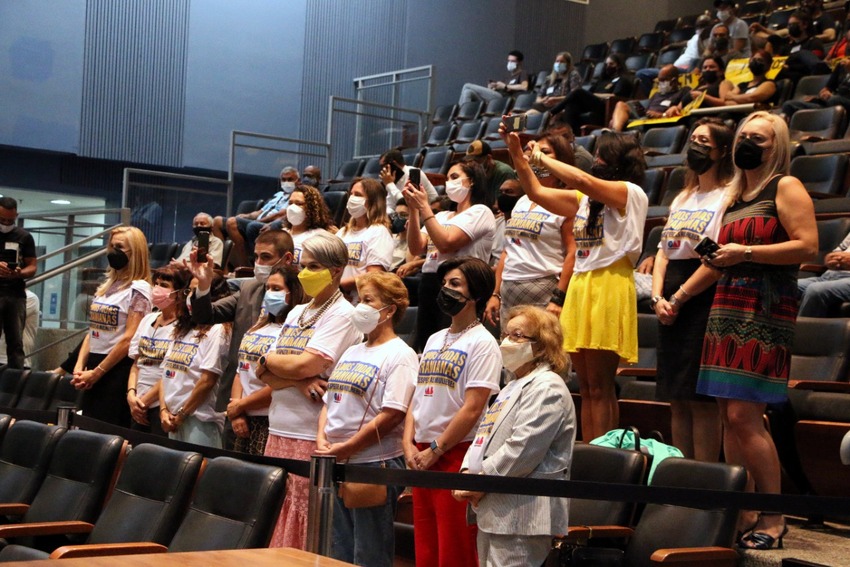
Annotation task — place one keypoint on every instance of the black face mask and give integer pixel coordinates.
(398, 223)
(311, 181)
(699, 158)
(199, 229)
(709, 77)
(721, 43)
(507, 203)
(117, 259)
(748, 154)
(603, 171)
(757, 67)
(794, 30)
(450, 302)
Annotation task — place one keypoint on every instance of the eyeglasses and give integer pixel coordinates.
(517, 336)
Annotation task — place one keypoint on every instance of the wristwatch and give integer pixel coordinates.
(748, 254)
(654, 301)
(435, 448)
(262, 360)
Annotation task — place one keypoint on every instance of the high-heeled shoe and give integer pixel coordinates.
(739, 536)
(761, 540)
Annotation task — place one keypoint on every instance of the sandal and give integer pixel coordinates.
(761, 540)
(739, 537)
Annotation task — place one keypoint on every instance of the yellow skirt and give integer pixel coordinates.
(600, 311)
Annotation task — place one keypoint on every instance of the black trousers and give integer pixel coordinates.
(13, 311)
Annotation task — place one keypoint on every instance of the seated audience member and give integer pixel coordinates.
(312, 176)
(665, 102)
(712, 82)
(840, 49)
(823, 24)
(202, 221)
(615, 80)
(739, 31)
(760, 89)
(583, 158)
(495, 172)
(823, 295)
(394, 176)
(798, 36)
(516, 82)
(688, 60)
(718, 44)
(398, 228)
(243, 229)
(563, 80)
(805, 52)
(529, 431)
(835, 93)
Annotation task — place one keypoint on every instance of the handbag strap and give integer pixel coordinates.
(366, 411)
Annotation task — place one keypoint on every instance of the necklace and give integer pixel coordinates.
(306, 323)
(447, 344)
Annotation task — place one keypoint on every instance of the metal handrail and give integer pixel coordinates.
(57, 342)
(78, 243)
(47, 215)
(66, 267)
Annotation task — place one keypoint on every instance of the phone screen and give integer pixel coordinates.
(416, 176)
(203, 245)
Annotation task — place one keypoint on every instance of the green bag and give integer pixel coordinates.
(630, 439)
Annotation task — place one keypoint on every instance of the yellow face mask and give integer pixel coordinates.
(314, 282)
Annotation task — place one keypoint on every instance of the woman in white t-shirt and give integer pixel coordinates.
(467, 231)
(191, 368)
(458, 371)
(306, 215)
(313, 338)
(367, 398)
(600, 310)
(696, 213)
(149, 345)
(536, 265)
(366, 234)
(117, 308)
(248, 410)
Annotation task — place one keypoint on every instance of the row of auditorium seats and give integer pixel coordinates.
(162, 497)
(35, 390)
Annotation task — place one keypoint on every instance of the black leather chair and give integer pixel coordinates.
(25, 455)
(830, 234)
(437, 161)
(668, 56)
(147, 505)
(810, 85)
(491, 130)
(444, 114)
(536, 124)
(823, 420)
(604, 464)
(372, 168)
(778, 19)
(681, 34)
(822, 175)
(675, 184)
(498, 107)
(78, 479)
(587, 142)
(11, 384)
(349, 170)
(226, 249)
(441, 134)
(406, 328)
(595, 52)
(65, 394)
(625, 46)
(248, 206)
(523, 103)
(161, 253)
(38, 389)
(673, 528)
(413, 157)
(468, 133)
(821, 350)
(469, 111)
(336, 200)
(650, 42)
(653, 180)
(640, 61)
(5, 421)
(664, 140)
(817, 124)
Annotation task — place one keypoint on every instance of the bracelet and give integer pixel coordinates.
(497, 296)
(101, 368)
(685, 293)
(536, 156)
(557, 300)
(131, 390)
(426, 220)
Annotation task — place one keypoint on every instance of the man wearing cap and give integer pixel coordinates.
(496, 172)
(394, 176)
(515, 83)
(739, 31)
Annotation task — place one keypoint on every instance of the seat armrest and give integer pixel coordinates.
(45, 528)
(13, 509)
(820, 386)
(579, 534)
(714, 556)
(105, 549)
(639, 372)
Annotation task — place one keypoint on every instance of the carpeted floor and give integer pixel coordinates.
(828, 545)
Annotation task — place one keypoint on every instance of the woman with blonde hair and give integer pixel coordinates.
(768, 230)
(563, 80)
(528, 431)
(368, 395)
(118, 306)
(366, 234)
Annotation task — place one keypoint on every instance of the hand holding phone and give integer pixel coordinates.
(415, 177)
(203, 245)
(515, 123)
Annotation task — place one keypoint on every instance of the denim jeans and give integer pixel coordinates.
(365, 536)
(822, 296)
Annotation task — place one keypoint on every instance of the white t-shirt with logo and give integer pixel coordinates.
(383, 376)
(691, 219)
(477, 222)
(254, 345)
(617, 234)
(533, 243)
(292, 414)
(186, 359)
(108, 316)
(371, 246)
(298, 240)
(148, 347)
(473, 360)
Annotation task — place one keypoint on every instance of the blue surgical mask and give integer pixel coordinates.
(274, 302)
(559, 68)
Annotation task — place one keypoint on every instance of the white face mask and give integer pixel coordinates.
(511, 66)
(515, 355)
(262, 273)
(456, 191)
(287, 186)
(665, 87)
(365, 317)
(356, 206)
(7, 228)
(723, 15)
(295, 215)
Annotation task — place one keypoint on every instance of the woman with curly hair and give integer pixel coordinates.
(118, 307)
(366, 234)
(306, 215)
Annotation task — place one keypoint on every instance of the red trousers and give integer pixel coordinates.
(441, 535)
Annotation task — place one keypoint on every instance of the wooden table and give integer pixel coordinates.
(280, 557)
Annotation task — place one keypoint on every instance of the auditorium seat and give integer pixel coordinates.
(824, 419)
(25, 453)
(11, 384)
(444, 114)
(468, 133)
(161, 253)
(65, 394)
(372, 168)
(469, 111)
(639, 408)
(817, 124)
(38, 389)
(604, 464)
(653, 180)
(821, 350)
(336, 200)
(675, 184)
(406, 328)
(348, 170)
(441, 134)
(523, 103)
(594, 53)
(650, 42)
(5, 421)
(498, 107)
